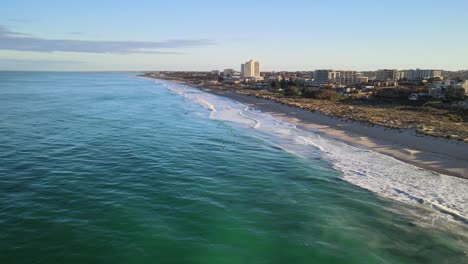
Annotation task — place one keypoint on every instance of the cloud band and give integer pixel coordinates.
(10, 40)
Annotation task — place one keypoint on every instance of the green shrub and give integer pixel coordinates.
(291, 91)
(327, 94)
(308, 92)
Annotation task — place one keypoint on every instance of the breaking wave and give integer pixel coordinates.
(378, 173)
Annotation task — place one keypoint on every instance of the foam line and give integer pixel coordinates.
(257, 123)
(381, 174)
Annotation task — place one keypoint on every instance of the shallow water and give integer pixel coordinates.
(381, 174)
(105, 167)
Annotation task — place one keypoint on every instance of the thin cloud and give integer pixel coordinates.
(37, 62)
(10, 40)
(20, 20)
(7, 33)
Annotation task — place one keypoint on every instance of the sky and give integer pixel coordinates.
(199, 35)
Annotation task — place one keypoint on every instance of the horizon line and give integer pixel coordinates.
(335, 69)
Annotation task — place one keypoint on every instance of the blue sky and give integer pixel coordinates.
(205, 35)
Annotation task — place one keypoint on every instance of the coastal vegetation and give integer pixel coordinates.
(387, 107)
(434, 121)
(291, 89)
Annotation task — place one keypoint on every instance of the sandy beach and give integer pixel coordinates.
(441, 155)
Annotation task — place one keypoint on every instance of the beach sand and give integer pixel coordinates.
(441, 155)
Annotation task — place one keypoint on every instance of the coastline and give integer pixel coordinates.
(441, 155)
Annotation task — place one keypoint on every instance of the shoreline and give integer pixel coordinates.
(440, 155)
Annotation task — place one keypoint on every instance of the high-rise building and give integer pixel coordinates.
(339, 77)
(347, 77)
(257, 69)
(419, 74)
(385, 75)
(250, 69)
(369, 74)
(325, 76)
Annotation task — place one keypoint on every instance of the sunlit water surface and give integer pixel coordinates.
(109, 168)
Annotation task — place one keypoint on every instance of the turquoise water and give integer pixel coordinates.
(108, 168)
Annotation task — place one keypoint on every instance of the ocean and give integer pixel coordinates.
(111, 168)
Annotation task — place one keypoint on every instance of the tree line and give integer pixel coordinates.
(291, 89)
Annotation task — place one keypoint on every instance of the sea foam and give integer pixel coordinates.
(381, 174)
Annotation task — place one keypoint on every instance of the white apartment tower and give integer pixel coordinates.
(421, 74)
(339, 77)
(250, 69)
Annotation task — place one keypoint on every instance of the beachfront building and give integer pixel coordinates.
(250, 69)
(369, 74)
(325, 76)
(442, 89)
(229, 72)
(339, 77)
(439, 89)
(348, 77)
(420, 74)
(386, 75)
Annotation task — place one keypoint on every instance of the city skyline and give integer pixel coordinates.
(144, 36)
